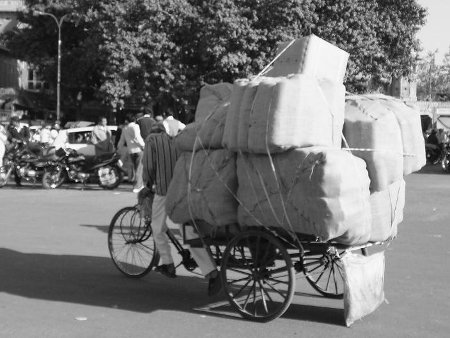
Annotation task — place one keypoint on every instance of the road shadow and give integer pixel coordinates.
(432, 169)
(95, 281)
(318, 314)
(105, 229)
(102, 228)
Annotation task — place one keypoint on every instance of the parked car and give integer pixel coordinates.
(79, 139)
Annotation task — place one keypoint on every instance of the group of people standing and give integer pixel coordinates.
(47, 134)
(133, 134)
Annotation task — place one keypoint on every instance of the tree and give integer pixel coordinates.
(433, 80)
(160, 52)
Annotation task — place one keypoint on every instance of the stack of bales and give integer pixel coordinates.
(286, 128)
(267, 152)
(386, 134)
(205, 182)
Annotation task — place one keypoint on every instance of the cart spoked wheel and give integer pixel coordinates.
(130, 242)
(325, 273)
(258, 275)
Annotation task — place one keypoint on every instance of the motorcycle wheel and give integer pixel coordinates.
(445, 164)
(432, 157)
(109, 177)
(53, 179)
(5, 172)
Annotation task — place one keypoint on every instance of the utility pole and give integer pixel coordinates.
(58, 79)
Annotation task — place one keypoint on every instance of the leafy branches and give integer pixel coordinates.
(160, 52)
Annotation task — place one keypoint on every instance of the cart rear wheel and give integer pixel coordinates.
(325, 273)
(258, 276)
(131, 244)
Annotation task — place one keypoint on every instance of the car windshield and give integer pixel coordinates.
(79, 137)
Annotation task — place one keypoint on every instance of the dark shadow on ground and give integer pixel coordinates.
(102, 228)
(95, 281)
(318, 314)
(105, 229)
(432, 169)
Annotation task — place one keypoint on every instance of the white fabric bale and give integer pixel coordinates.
(208, 194)
(295, 112)
(334, 94)
(245, 109)
(207, 134)
(313, 56)
(211, 98)
(316, 190)
(370, 126)
(230, 133)
(185, 139)
(363, 285)
(411, 129)
(212, 128)
(387, 211)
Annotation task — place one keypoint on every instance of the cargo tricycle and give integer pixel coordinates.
(258, 265)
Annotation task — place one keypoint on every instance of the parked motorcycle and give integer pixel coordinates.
(26, 162)
(105, 170)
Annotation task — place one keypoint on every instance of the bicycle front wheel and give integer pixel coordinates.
(131, 244)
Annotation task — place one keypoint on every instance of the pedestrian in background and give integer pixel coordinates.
(3, 140)
(172, 125)
(18, 132)
(442, 138)
(101, 137)
(45, 135)
(54, 132)
(146, 122)
(131, 137)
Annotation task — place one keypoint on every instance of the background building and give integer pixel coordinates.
(11, 70)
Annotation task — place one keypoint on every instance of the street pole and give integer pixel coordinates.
(58, 79)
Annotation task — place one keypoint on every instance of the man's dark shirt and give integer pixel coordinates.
(145, 124)
(160, 157)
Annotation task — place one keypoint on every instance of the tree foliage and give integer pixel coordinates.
(161, 51)
(433, 80)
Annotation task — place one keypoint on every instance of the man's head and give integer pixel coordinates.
(148, 111)
(102, 121)
(130, 118)
(15, 121)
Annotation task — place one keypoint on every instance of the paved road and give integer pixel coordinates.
(57, 280)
